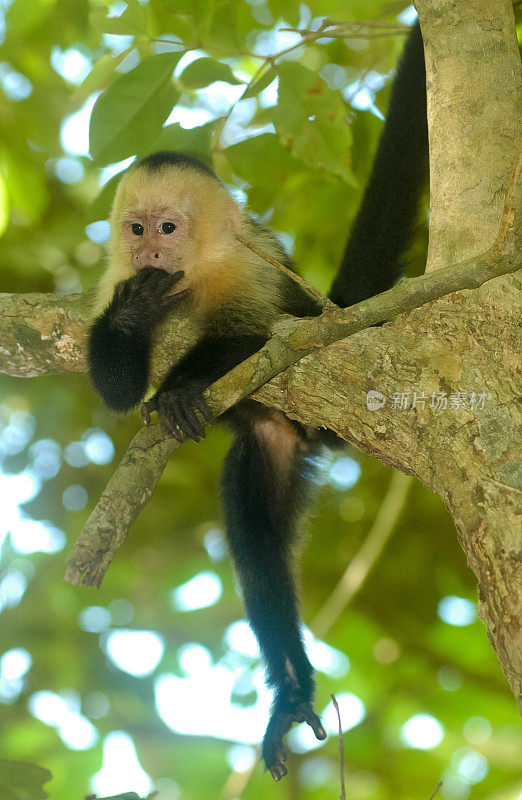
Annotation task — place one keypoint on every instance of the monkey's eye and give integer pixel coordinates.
(168, 227)
(137, 228)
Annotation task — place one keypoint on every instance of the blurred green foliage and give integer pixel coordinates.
(301, 158)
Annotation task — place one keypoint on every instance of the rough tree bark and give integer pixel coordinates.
(469, 341)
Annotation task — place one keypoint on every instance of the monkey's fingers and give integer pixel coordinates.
(153, 283)
(171, 426)
(166, 280)
(178, 415)
(147, 408)
(274, 754)
(189, 421)
(196, 413)
(171, 300)
(308, 715)
(177, 276)
(280, 723)
(202, 406)
(279, 770)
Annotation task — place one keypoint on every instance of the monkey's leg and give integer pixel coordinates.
(263, 487)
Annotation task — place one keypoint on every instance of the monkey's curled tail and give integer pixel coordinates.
(385, 221)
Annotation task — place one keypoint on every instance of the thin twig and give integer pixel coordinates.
(340, 747)
(367, 555)
(236, 783)
(325, 302)
(436, 790)
(328, 29)
(332, 23)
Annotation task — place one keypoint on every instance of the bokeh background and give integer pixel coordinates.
(154, 681)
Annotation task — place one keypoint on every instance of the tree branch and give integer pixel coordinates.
(366, 557)
(124, 496)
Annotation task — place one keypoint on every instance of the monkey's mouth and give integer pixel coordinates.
(168, 262)
(170, 268)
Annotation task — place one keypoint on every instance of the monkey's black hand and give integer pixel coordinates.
(177, 409)
(119, 339)
(140, 302)
(281, 721)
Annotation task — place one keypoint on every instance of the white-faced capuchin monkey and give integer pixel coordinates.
(175, 225)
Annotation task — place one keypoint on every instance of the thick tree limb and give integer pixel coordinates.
(57, 345)
(473, 77)
(43, 334)
(474, 111)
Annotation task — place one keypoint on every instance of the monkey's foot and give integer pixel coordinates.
(281, 721)
(178, 411)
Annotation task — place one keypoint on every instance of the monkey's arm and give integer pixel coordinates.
(180, 394)
(119, 340)
(232, 334)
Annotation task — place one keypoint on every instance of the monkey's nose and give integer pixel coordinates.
(148, 258)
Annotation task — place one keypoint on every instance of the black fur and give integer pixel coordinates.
(119, 340)
(165, 158)
(181, 393)
(260, 502)
(385, 221)
(262, 498)
(267, 471)
(296, 301)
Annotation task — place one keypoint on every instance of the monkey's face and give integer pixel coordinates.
(173, 219)
(155, 239)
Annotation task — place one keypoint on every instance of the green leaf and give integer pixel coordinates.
(277, 164)
(23, 781)
(132, 21)
(27, 188)
(194, 141)
(310, 119)
(261, 84)
(206, 70)
(102, 72)
(25, 15)
(289, 10)
(226, 26)
(74, 13)
(133, 109)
